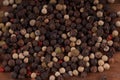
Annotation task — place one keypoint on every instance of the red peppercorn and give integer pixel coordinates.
(1, 69)
(40, 43)
(60, 61)
(109, 37)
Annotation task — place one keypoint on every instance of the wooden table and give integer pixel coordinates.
(112, 74)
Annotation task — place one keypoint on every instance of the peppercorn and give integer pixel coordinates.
(98, 54)
(80, 69)
(75, 73)
(100, 69)
(100, 62)
(93, 69)
(57, 74)
(44, 11)
(115, 33)
(5, 3)
(52, 77)
(99, 14)
(106, 66)
(62, 70)
(117, 23)
(11, 63)
(7, 68)
(15, 56)
(23, 71)
(75, 52)
(33, 75)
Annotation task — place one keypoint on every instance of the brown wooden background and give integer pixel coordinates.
(112, 74)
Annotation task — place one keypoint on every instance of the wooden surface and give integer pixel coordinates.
(112, 74)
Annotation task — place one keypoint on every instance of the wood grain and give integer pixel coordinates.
(112, 74)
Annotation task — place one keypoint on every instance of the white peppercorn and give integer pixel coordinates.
(73, 39)
(100, 69)
(106, 48)
(6, 14)
(118, 13)
(82, 10)
(72, 48)
(75, 72)
(37, 38)
(1, 25)
(64, 36)
(21, 56)
(8, 24)
(106, 66)
(99, 39)
(97, 44)
(100, 62)
(96, 2)
(80, 57)
(92, 56)
(57, 74)
(27, 35)
(44, 11)
(64, 7)
(45, 6)
(66, 58)
(69, 54)
(5, 3)
(23, 31)
(110, 42)
(26, 60)
(44, 48)
(86, 58)
(26, 53)
(105, 58)
(15, 56)
(62, 70)
(104, 41)
(34, 54)
(80, 69)
(42, 58)
(33, 75)
(32, 22)
(87, 64)
(66, 16)
(94, 8)
(52, 77)
(99, 14)
(11, 1)
(78, 42)
(55, 59)
(50, 64)
(14, 6)
(59, 7)
(53, 54)
(115, 33)
(117, 23)
(100, 22)
(70, 73)
(11, 31)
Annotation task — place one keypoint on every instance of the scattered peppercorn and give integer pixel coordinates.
(67, 38)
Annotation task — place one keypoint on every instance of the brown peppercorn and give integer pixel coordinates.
(75, 52)
(93, 69)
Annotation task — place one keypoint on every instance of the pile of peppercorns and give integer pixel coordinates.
(56, 39)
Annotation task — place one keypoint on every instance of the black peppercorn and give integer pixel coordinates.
(14, 75)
